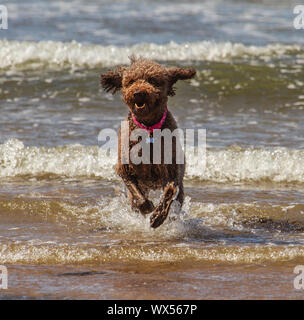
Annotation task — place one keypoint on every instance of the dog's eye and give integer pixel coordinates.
(154, 82)
(130, 82)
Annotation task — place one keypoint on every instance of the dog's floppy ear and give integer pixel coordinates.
(112, 80)
(176, 74)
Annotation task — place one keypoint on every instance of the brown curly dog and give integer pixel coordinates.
(145, 86)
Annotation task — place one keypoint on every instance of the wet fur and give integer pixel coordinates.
(148, 82)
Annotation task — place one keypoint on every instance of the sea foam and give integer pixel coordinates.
(232, 164)
(24, 54)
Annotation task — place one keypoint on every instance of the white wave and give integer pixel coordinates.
(75, 54)
(253, 164)
(71, 160)
(232, 164)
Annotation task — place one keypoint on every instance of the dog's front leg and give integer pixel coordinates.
(138, 199)
(160, 214)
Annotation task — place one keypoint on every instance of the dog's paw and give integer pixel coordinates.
(146, 207)
(158, 216)
(157, 219)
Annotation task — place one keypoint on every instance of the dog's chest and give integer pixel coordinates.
(151, 160)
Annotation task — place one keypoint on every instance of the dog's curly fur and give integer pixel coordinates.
(148, 83)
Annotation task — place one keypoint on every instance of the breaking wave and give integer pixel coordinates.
(65, 253)
(232, 164)
(74, 54)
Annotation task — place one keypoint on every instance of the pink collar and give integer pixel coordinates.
(157, 125)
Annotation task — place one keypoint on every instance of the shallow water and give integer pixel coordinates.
(66, 231)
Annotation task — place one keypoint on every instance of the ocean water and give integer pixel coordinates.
(65, 229)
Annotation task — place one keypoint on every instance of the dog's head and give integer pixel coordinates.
(145, 85)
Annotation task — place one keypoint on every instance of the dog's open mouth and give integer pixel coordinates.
(140, 106)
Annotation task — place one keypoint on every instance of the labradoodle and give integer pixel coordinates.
(145, 86)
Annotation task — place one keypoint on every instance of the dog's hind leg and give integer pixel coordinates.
(160, 214)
